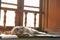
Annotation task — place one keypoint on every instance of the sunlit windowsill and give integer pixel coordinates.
(35, 36)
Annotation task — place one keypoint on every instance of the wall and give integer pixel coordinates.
(52, 16)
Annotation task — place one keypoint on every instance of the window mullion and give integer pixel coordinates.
(4, 20)
(35, 20)
(25, 18)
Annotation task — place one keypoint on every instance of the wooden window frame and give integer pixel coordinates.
(19, 9)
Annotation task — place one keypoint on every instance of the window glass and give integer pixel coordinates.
(34, 3)
(31, 3)
(10, 18)
(30, 20)
(23, 18)
(31, 9)
(34, 6)
(8, 6)
(37, 20)
(10, 1)
(2, 18)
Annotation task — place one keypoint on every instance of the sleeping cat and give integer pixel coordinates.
(20, 30)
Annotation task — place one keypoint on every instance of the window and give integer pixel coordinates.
(31, 6)
(8, 6)
(31, 9)
(37, 20)
(7, 18)
(33, 3)
(10, 14)
(8, 3)
(30, 20)
(2, 18)
(10, 18)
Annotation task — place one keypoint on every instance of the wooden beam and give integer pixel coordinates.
(40, 16)
(31, 11)
(4, 20)
(35, 20)
(25, 18)
(20, 6)
(31, 6)
(3, 8)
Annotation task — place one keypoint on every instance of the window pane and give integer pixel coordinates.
(2, 18)
(10, 1)
(31, 9)
(23, 18)
(31, 3)
(10, 18)
(37, 20)
(8, 6)
(30, 20)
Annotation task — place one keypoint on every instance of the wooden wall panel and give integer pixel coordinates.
(52, 16)
(45, 16)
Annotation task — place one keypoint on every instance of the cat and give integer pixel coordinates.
(20, 30)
